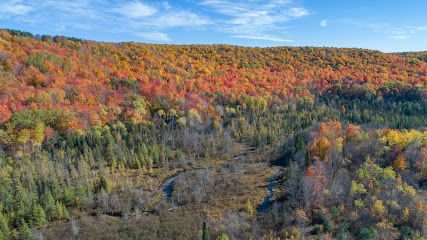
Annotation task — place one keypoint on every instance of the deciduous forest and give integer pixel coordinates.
(142, 141)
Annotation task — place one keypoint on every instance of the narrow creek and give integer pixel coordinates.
(167, 185)
(266, 204)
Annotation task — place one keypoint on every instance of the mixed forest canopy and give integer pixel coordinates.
(124, 129)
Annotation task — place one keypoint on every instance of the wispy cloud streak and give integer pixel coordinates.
(390, 31)
(135, 10)
(14, 7)
(265, 37)
(155, 36)
(143, 17)
(255, 19)
(265, 20)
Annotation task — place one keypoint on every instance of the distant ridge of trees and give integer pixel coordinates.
(39, 37)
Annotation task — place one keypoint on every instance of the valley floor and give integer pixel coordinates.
(237, 186)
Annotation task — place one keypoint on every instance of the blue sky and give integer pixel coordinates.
(388, 26)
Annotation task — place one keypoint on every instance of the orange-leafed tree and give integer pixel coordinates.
(320, 148)
(400, 163)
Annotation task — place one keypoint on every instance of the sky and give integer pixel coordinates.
(388, 26)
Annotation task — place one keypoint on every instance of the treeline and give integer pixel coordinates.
(261, 129)
(44, 38)
(414, 57)
(93, 83)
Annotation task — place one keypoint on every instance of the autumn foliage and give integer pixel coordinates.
(95, 127)
(71, 85)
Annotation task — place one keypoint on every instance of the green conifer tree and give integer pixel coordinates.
(25, 233)
(4, 228)
(205, 235)
(65, 214)
(308, 159)
(38, 215)
(48, 203)
(80, 194)
(57, 213)
(104, 184)
(110, 155)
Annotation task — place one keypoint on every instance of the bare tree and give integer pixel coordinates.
(275, 211)
(126, 210)
(103, 199)
(293, 183)
(207, 177)
(140, 200)
(90, 200)
(256, 230)
(38, 235)
(182, 161)
(115, 201)
(233, 224)
(227, 141)
(341, 185)
(137, 213)
(74, 227)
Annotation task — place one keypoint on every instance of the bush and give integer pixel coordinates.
(328, 226)
(342, 234)
(368, 233)
(316, 229)
(320, 216)
(222, 237)
(335, 212)
(406, 232)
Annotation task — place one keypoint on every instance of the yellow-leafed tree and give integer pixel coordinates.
(400, 163)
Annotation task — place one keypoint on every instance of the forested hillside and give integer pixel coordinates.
(143, 141)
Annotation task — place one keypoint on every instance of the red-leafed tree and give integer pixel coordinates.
(315, 183)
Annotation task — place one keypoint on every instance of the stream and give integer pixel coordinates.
(167, 185)
(264, 206)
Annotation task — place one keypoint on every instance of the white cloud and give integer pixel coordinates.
(78, 8)
(323, 23)
(157, 16)
(175, 18)
(414, 30)
(155, 36)
(166, 5)
(143, 16)
(135, 10)
(253, 17)
(14, 7)
(399, 37)
(250, 19)
(83, 26)
(266, 37)
(298, 12)
(389, 31)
